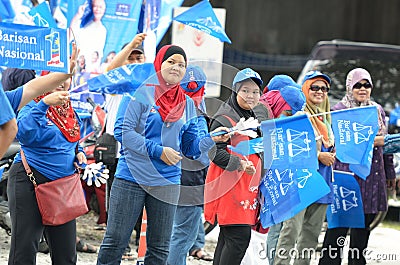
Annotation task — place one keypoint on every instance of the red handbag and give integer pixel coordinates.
(59, 201)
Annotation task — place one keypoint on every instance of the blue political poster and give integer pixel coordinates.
(32, 47)
(355, 130)
(347, 208)
(102, 29)
(289, 143)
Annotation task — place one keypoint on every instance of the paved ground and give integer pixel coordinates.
(384, 249)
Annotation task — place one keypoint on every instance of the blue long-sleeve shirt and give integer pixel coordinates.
(46, 149)
(15, 97)
(143, 135)
(7, 112)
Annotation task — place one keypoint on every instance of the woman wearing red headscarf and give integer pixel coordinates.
(156, 127)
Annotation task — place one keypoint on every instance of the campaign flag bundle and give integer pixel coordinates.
(32, 47)
(289, 143)
(202, 17)
(347, 208)
(124, 79)
(355, 130)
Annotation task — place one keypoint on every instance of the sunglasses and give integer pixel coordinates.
(316, 88)
(359, 85)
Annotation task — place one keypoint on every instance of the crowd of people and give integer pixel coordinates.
(173, 163)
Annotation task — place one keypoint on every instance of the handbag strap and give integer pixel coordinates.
(28, 170)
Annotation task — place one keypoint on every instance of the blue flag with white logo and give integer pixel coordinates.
(202, 17)
(32, 47)
(289, 143)
(42, 16)
(287, 192)
(347, 209)
(280, 191)
(355, 130)
(124, 79)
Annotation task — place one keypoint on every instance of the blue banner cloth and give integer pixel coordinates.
(347, 208)
(201, 16)
(355, 130)
(124, 79)
(289, 143)
(32, 47)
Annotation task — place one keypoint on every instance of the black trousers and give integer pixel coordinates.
(332, 248)
(233, 241)
(27, 227)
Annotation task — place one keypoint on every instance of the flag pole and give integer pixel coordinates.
(341, 110)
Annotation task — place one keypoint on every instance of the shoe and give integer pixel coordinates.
(82, 246)
(102, 227)
(43, 247)
(201, 254)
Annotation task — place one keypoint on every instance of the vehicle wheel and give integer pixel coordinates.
(208, 227)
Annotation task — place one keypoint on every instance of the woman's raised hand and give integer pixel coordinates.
(56, 98)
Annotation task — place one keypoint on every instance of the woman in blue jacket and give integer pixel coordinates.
(156, 127)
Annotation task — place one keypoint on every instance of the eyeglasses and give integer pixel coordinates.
(316, 88)
(359, 85)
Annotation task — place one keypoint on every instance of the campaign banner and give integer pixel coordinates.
(347, 209)
(32, 47)
(355, 130)
(289, 143)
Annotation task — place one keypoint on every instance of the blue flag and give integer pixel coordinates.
(124, 79)
(312, 187)
(202, 17)
(32, 47)
(6, 10)
(347, 208)
(42, 16)
(355, 130)
(249, 147)
(288, 192)
(289, 143)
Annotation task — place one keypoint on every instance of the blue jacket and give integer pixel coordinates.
(143, 134)
(46, 149)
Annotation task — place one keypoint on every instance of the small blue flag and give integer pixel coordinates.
(249, 147)
(289, 143)
(124, 79)
(202, 17)
(312, 187)
(355, 130)
(42, 16)
(347, 208)
(6, 10)
(392, 143)
(280, 192)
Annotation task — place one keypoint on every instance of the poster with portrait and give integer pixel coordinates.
(100, 27)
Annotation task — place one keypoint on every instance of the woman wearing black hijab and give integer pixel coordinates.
(232, 181)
